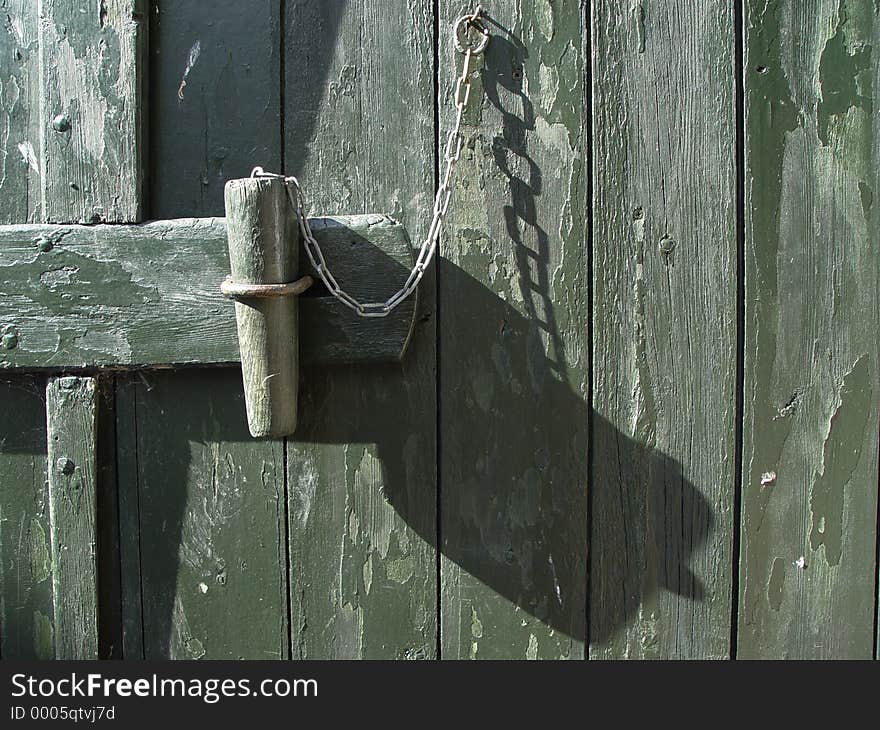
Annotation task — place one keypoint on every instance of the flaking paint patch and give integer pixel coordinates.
(44, 636)
(556, 139)
(544, 19)
(182, 644)
(28, 156)
(476, 625)
(775, 583)
(401, 569)
(368, 574)
(548, 77)
(375, 516)
(840, 457)
(79, 88)
(305, 486)
(840, 67)
(532, 648)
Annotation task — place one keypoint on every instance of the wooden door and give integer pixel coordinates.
(636, 417)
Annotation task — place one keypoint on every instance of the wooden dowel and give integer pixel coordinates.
(264, 249)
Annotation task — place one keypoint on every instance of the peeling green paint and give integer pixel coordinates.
(840, 456)
(44, 636)
(776, 583)
(839, 71)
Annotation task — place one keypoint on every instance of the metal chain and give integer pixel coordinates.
(452, 152)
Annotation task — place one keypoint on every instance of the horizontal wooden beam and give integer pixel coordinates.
(149, 295)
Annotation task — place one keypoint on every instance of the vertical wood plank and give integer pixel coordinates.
(362, 464)
(19, 111)
(26, 613)
(513, 342)
(211, 516)
(71, 414)
(811, 350)
(202, 58)
(207, 498)
(664, 329)
(92, 101)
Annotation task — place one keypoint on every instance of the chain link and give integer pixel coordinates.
(451, 154)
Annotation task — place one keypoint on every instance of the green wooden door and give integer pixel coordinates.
(636, 417)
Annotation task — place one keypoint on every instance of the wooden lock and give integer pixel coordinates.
(264, 242)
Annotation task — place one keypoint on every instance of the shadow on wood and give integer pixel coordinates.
(515, 518)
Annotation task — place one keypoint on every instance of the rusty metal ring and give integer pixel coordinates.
(460, 34)
(231, 289)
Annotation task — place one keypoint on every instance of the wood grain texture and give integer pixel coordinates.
(27, 625)
(207, 500)
(120, 296)
(664, 330)
(209, 541)
(72, 428)
(513, 342)
(811, 354)
(19, 111)
(362, 467)
(92, 106)
(264, 244)
(214, 100)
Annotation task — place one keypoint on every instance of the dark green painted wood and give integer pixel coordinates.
(664, 329)
(131, 596)
(513, 343)
(811, 314)
(26, 614)
(227, 121)
(119, 296)
(19, 111)
(210, 506)
(91, 110)
(362, 466)
(27, 626)
(107, 529)
(72, 436)
(208, 500)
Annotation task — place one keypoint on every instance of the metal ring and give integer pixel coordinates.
(231, 289)
(466, 22)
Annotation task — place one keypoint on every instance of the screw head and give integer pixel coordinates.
(667, 245)
(9, 338)
(65, 465)
(61, 123)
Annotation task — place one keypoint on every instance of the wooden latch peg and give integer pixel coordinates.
(264, 244)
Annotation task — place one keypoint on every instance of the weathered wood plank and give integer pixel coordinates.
(664, 329)
(72, 428)
(362, 468)
(210, 503)
(26, 613)
(201, 58)
(513, 342)
(209, 499)
(19, 111)
(811, 349)
(119, 296)
(92, 106)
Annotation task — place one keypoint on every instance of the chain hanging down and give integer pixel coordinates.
(470, 48)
